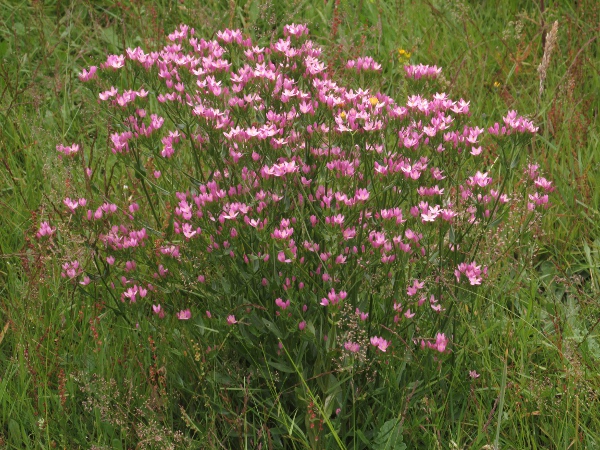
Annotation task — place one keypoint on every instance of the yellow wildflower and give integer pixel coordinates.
(496, 84)
(403, 54)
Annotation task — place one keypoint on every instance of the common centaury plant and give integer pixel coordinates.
(305, 225)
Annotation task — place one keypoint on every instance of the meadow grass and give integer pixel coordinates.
(76, 374)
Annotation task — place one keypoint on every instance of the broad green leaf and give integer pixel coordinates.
(389, 436)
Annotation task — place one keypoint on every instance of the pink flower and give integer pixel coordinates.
(361, 195)
(108, 94)
(363, 316)
(71, 269)
(114, 62)
(352, 347)
(158, 311)
(86, 75)
(380, 343)
(131, 294)
(544, 184)
(184, 314)
(68, 151)
(441, 341)
(45, 230)
(283, 305)
(281, 257)
(479, 179)
(231, 320)
(472, 271)
(302, 325)
(295, 30)
(474, 374)
(74, 204)
(422, 71)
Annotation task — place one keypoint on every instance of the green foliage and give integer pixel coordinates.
(73, 377)
(389, 436)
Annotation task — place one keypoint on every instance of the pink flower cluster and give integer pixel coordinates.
(68, 150)
(184, 314)
(538, 198)
(267, 170)
(132, 292)
(45, 230)
(72, 205)
(380, 343)
(422, 71)
(513, 123)
(440, 344)
(71, 270)
(87, 75)
(354, 347)
(113, 62)
(472, 271)
(296, 30)
(128, 96)
(333, 298)
(366, 63)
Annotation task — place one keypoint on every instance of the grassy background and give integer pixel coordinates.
(71, 377)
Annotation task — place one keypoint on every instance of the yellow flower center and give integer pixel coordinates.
(373, 101)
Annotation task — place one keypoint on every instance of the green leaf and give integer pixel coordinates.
(226, 286)
(389, 436)
(110, 36)
(282, 367)
(14, 431)
(272, 328)
(222, 378)
(3, 48)
(362, 437)
(19, 28)
(494, 223)
(140, 172)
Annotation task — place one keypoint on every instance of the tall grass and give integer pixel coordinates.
(75, 375)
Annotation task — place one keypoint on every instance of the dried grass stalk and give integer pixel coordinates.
(548, 49)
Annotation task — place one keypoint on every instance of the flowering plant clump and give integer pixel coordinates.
(244, 190)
